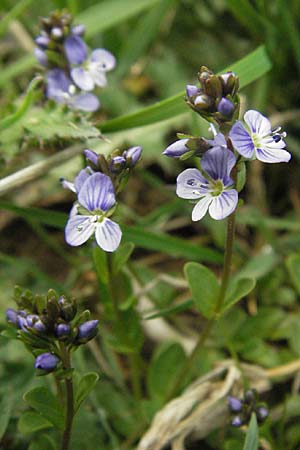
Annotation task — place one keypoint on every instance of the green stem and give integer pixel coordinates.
(180, 379)
(69, 401)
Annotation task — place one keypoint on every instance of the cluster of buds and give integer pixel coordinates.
(217, 97)
(242, 409)
(117, 165)
(42, 322)
(71, 72)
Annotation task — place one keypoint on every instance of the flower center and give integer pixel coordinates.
(256, 140)
(216, 187)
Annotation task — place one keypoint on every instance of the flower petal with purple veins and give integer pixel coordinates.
(75, 49)
(191, 184)
(82, 176)
(79, 229)
(177, 149)
(218, 141)
(97, 193)
(272, 155)
(82, 79)
(85, 102)
(104, 59)
(257, 123)
(108, 235)
(224, 204)
(200, 209)
(218, 163)
(241, 140)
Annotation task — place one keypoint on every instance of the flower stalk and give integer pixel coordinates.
(69, 399)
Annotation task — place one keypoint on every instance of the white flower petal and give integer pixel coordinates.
(79, 229)
(201, 207)
(108, 235)
(224, 204)
(103, 58)
(82, 79)
(191, 184)
(257, 123)
(272, 155)
(99, 77)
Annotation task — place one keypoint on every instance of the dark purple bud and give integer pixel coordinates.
(31, 320)
(79, 30)
(132, 155)
(262, 413)
(117, 163)
(237, 421)
(191, 90)
(62, 329)
(88, 329)
(11, 316)
(40, 326)
(57, 33)
(91, 156)
(235, 405)
(42, 41)
(46, 361)
(22, 323)
(177, 149)
(40, 56)
(226, 107)
(75, 49)
(250, 396)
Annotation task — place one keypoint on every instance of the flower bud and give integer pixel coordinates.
(213, 87)
(237, 421)
(250, 396)
(261, 414)
(202, 101)
(116, 164)
(62, 329)
(91, 156)
(132, 155)
(235, 405)
(22, 323)
(87, 330)
(191, 90)
(230, 83)
(42, 41)
(46, 362)
(11, 316)
(226, 107)
(31, 320)
(68, 308)
(56, 33)
(177, 149)
(40, 326)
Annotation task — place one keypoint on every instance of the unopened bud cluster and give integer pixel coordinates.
(117, 165)
(43, 321)
(242, 409)
(216, 98)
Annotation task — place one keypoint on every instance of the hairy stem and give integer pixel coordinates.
(69, 400)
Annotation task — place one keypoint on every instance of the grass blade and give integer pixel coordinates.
(249, 69)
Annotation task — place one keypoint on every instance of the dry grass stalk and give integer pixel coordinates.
(202, 407)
